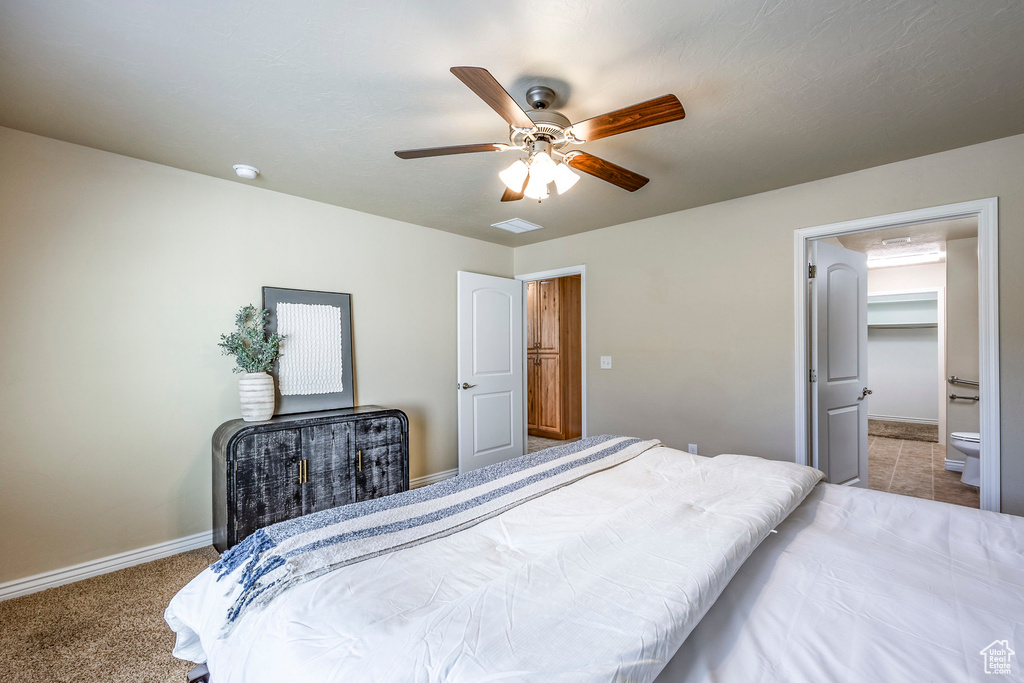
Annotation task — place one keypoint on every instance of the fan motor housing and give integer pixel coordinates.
(550, 127)
(540, 97)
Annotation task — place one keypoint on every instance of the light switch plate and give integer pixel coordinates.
(606, 362)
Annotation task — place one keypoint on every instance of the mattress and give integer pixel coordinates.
(598, 581)
(861, 585)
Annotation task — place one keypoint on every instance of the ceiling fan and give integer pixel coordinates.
(543, 134)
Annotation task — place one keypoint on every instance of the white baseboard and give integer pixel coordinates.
(432, 478)
(104, 565)
(954, 465)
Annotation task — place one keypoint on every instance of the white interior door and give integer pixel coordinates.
(839, 362)
(490, 366)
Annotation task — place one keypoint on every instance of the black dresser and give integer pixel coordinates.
(292, 465)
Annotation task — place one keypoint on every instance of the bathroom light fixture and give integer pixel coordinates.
(246, 171)
(907, 260)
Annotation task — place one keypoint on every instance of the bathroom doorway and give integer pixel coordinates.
(921, 411)
(555, 363)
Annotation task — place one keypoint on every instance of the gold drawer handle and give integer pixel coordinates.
(303, 471)
(360, 460)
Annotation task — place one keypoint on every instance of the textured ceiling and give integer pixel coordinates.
(319, 94)
(924, 238)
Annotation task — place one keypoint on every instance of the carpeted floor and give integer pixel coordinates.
(539, 443)
(908, 431)
(109, 628)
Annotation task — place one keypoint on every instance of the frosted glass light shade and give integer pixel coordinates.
(535, 189)
(542, 168)
(564, 178)
(515, 175)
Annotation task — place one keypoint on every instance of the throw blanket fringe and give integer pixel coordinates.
(277, 557)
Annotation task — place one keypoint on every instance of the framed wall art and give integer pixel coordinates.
(315, 370)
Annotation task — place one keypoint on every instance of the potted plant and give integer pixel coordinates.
(255, 353)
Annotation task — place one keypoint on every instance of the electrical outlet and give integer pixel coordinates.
(606, 362)
(693, 448)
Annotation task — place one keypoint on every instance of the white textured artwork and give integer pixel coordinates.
(311, 351)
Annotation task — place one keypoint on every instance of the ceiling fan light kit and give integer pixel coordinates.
(543, 134)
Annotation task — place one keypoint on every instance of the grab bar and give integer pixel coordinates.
(964, 398)
(953, 379)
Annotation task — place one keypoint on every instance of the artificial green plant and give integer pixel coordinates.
(254, 350)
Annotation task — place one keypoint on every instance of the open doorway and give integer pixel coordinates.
(917, 360)
(554, 357)
(910, 270)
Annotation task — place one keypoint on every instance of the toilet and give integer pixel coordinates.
(969, 443)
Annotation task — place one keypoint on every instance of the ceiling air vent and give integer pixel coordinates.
(896, 240)
(516, 225)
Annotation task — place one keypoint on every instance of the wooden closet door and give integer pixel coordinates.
(548, 310)
(532, 317)
(532, 393)
(549, 390)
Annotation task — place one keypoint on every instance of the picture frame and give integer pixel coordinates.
(289, 404)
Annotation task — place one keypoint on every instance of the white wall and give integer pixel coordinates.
(119, 275)
(904, 385)
(696, 307)
(903, 371)
(905, 278)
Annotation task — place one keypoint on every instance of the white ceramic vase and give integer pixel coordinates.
(256, 396)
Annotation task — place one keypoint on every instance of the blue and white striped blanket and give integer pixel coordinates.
(283, 555)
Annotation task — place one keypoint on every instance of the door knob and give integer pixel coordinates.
(866, 392)
(467, 386)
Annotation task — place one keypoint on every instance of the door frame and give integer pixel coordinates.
(940, 297)
(544, 275)
(986, 211)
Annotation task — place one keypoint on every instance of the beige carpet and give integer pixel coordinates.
(907, 431)
(109, 628)
(539, 443)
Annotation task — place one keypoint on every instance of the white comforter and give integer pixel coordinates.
(598, 581)
(863, 585)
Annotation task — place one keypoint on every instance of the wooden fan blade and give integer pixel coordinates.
(606, 170)
(490, 91)
(444, 151)
(651, 113)
(513, 196)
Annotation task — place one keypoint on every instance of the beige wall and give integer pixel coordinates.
(696, 307)
(962, 353)
(119, 275)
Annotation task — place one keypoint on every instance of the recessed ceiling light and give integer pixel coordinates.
(246, 171)
(909, 260)
(516, 225)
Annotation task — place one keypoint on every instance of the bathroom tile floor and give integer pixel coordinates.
(916, 468)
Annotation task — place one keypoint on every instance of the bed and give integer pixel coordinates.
(608, 578)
